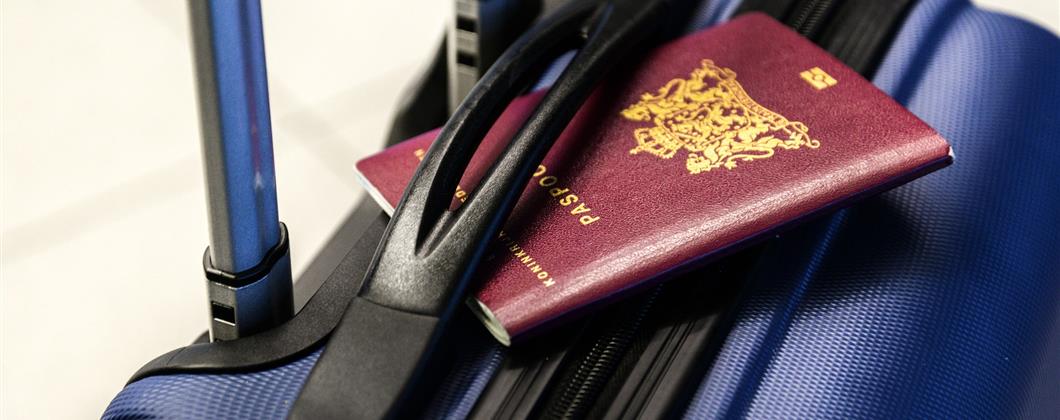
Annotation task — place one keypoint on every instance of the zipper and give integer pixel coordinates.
(605, 367)
(859, 32)
(584, 381)
(855, 31)
(809, 16)
(683, 336)
(806, 17)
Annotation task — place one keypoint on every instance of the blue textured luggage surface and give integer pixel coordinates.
(253, 395)
(938, 299)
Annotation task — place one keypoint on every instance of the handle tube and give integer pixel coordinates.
(245, 230)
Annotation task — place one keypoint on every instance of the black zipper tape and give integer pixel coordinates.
(585, 380)
(661, 372)
(809, 16)
(860, 32)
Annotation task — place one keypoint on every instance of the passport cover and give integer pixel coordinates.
(702, 146)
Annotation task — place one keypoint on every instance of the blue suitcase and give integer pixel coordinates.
(938, 299)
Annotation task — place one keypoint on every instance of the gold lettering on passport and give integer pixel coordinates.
(714, 119)
(564, 196)
(818, 78)
(524, 259)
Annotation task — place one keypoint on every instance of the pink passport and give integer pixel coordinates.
(702, 146)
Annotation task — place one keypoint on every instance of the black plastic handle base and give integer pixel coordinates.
(382, 336)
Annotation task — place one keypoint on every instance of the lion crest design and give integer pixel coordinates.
(711, 117)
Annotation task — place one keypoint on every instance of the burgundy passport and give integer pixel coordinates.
(705, 144)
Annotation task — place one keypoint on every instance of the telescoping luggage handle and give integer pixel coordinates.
(247, 263)
(380, 354)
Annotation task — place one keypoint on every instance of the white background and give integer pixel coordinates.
(102, 215)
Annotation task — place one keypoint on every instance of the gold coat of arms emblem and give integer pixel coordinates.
(711, 116)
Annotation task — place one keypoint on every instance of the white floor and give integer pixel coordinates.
(102, 205)
(103, 215)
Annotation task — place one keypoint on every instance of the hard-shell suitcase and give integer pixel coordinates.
(938, 299)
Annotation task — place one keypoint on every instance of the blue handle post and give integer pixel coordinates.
(247, 261)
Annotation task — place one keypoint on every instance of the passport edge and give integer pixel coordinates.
(372, 190)
(486, 317)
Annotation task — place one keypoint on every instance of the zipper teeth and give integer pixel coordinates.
(596, 368)
(809, 16)
(591, 374)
